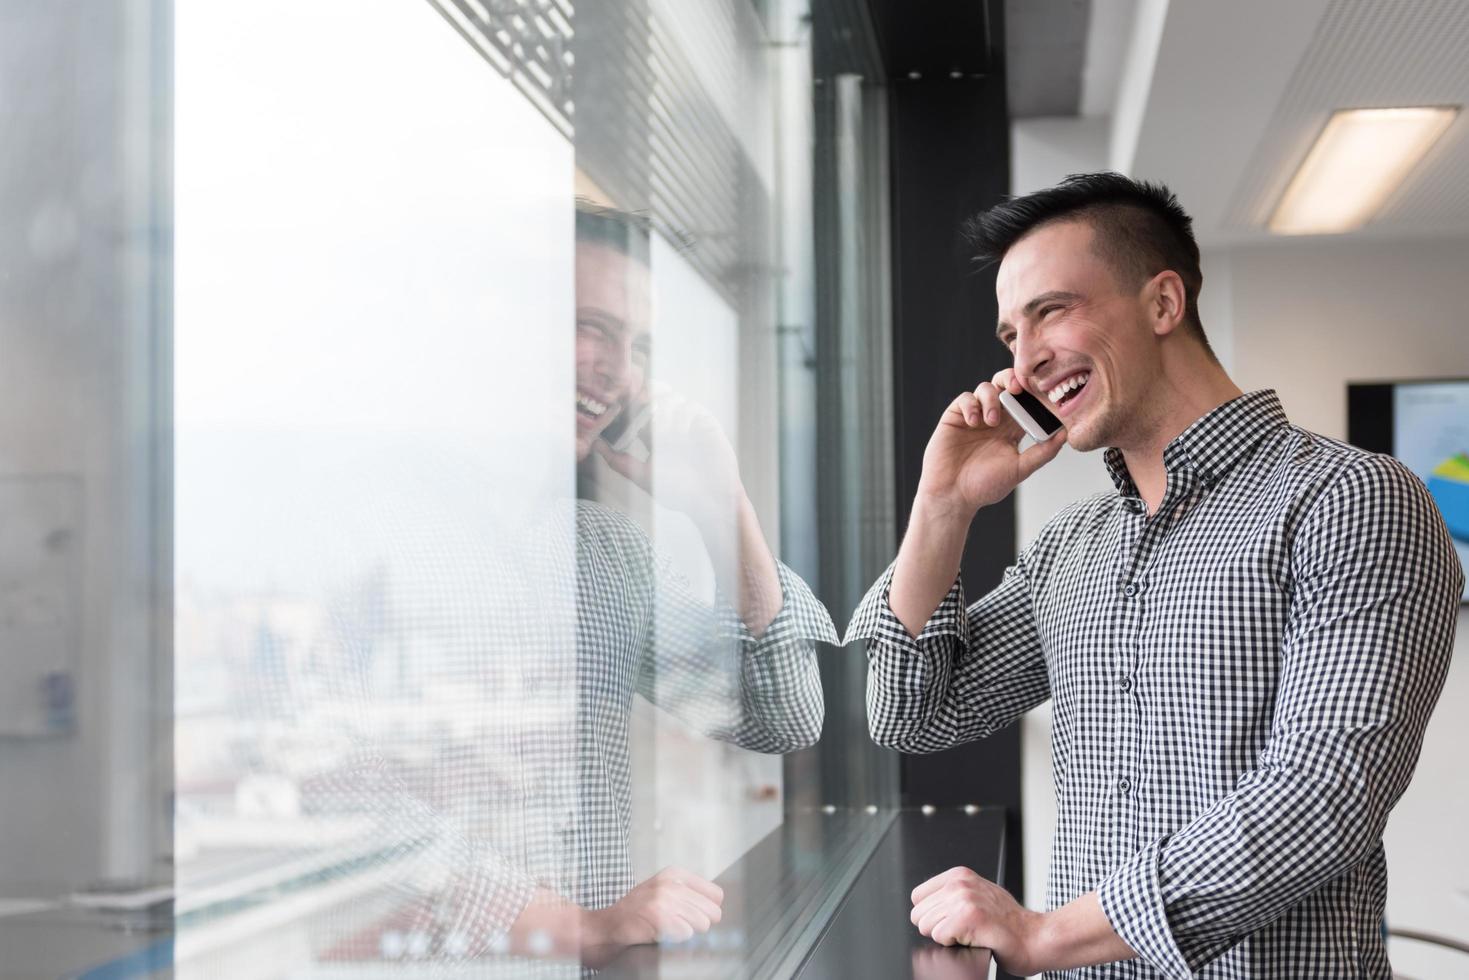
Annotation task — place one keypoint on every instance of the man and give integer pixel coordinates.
(1243, 643)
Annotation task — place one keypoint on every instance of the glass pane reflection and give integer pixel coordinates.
(482, 648)
(399, 455)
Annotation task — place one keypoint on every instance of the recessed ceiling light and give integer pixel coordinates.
(1359, 159)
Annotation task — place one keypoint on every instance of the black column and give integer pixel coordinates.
(950, 146)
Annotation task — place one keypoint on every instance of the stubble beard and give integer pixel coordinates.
(1098, 431)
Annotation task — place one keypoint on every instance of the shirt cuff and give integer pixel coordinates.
(874, 618)
(1133, 903)
(481, 904)
(802, 618)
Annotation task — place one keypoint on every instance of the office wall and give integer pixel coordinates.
(1305, 317)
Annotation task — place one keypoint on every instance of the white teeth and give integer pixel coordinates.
(590, 405)
(1075, 381)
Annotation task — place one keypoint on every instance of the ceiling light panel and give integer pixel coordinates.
(1360, 158)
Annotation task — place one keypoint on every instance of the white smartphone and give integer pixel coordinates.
(624, 432)
(1033, 417)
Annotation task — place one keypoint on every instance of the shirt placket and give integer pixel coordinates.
(1146, 535)
(1135, 546)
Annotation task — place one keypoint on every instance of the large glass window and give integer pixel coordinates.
(414, 526)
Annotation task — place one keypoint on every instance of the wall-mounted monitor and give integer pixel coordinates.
(1426, 425)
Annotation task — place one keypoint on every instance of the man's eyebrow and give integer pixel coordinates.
(602, 318)
(1055, 295)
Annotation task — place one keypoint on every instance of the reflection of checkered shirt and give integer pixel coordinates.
(640, 628)
(556, 810)
(1241, 684)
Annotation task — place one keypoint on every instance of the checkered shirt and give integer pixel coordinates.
(1241, 683)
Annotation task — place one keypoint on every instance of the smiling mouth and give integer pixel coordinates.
(1062, 394)
(589, 407)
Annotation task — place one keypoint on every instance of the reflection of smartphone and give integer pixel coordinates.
(623, 431)
(1034, 418)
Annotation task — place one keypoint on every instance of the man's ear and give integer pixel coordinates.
(1166, 301)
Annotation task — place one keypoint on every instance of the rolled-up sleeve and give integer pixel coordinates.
(969, 672)
(1375, 592)
(705, 666)
(780, 683)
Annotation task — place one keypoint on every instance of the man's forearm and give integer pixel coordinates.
(1077, 934)
(928, 560)
(743, 564)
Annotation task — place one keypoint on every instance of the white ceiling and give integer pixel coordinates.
(1240, 89)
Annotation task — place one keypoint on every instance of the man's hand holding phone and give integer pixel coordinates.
(973, 460)
(697, 471)
(699, 475)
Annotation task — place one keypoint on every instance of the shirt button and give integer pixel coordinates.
(1125, 684)
(1124, 786)
(1131, 590)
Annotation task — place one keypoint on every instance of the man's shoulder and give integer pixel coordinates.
(608, 529)
(1314, 465)
(1315, 485)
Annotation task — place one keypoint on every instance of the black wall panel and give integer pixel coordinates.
(950, 145)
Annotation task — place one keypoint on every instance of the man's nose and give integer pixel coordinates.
(1031, 356)
(614, 361)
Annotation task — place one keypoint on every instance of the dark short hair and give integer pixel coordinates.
(1138, 228)
(621, 231)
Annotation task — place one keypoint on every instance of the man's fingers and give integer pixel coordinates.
(988, 397)
(966, 406)
(705, 905)
(931, 917)
(935, 883)
(927, 909)
(944, 932)
(690, 911)
(669, 920)
(701, 885)
(628, 465)
(1041, 453)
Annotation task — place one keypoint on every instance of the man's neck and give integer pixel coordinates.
(1187, 396)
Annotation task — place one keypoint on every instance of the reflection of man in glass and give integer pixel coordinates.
(541, 627)
(742, 670)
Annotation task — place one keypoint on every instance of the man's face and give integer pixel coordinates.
(1066, 320)
(612, 315)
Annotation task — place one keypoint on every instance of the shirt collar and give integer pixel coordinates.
(1212, 444)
